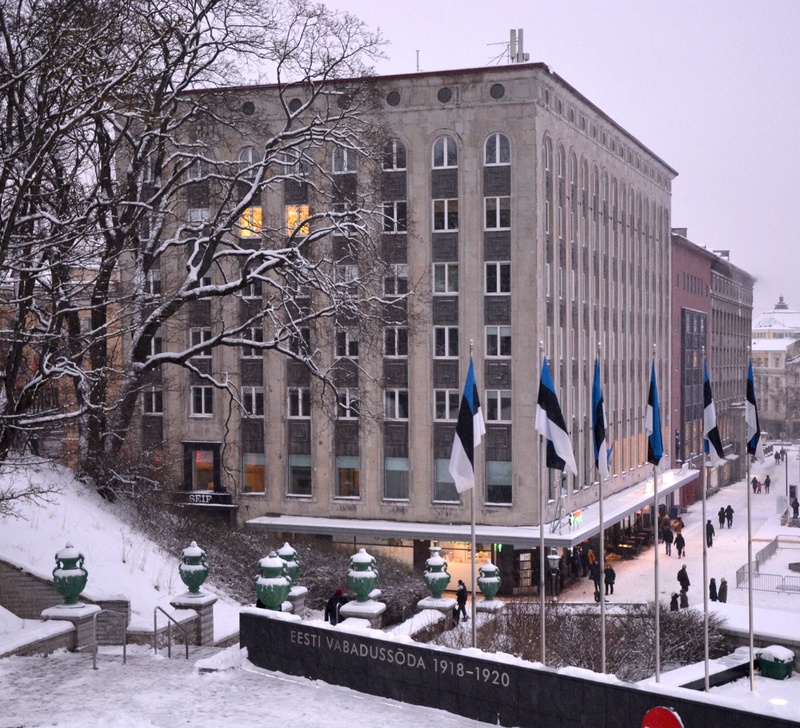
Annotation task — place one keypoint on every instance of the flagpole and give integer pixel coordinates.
(472, 538)
(750, 580)
(704, 536)
(656, 599)
(602, 563)
(541, 543)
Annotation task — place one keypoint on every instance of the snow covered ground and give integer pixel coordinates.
(62, 690)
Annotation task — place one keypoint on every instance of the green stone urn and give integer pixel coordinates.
(362, 575)
(193, 569)
(69, 576)
(272, 583)
(289, 555)
(489, 580)
(435, 575)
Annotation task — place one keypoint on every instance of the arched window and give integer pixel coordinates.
(497, 150)
(548, 154)
(248, 158)
(445, 153)
(394, 155)
(199, 167)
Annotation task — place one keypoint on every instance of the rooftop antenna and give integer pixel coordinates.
(516, 53)
(417, 61)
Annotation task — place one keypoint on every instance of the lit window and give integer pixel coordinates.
(498, 213)
(395, 281)
(497, 150)
(344, 160)
(395, 341)
(347, 343)
(348, 476)
(395, 404)
(153, 401)
(251, 223)
(395, 219)
(394, 155)
(498, 405)
(498, 341)
(203, 467)
(297, 220)
(445, 277)
(253, 401)
(199, 336)
(202, 400)
(299, 402)
(445, 342)
(445, 153)
(253, 472)
(446, 403)
(445, 214)
(498, 278)
(347, 404)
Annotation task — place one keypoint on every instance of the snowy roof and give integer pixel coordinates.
(615, 508)
(772, 344)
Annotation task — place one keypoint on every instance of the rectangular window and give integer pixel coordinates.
(156, 344)
(202, 470)
(300, 342)
(445, 214)
(254, 472)
(395, 478)
(445, 342)
(498, 405)
(153, 401)
(254, 289)
(395, 404)
(498, 482)
(202, 400)
(395, 217)
(344, 160)
(197, 216)
(347, 343)
(251, 223)
(198, 336)
(255, 335)
(347, 404)
(253, 401)
(299, 402)
(346, 273)
(444, 488)
(498, 213)
(446, 403)
(395, 281)
(395, 339)
(498, 278)
(297, 220)
(299, 481)
(152, 282)
(445, 277)
(348, 477)
(498, 341)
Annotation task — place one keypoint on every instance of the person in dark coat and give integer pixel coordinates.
(729, 515)
(767, 482)
(610, 578)
(333, 606)
(668, 539)
(795, 507)
(673, 603)
(709, 533)
(684, 599)
(680, 545)
(712, 590)
(594, 573)
(754, 483)
(722, 594)
(461, 600)
(683, 578)
(721, 516)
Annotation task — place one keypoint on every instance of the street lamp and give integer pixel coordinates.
(552, 561)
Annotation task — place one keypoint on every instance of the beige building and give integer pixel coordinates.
(520, 213)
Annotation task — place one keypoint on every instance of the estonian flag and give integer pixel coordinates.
(754, 445)
(710, 431)
(601, 451)
(652, 422)
(469, 430)
(550, 425)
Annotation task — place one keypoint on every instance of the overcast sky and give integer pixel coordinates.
(713, 88)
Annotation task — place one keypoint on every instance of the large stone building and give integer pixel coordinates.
(520, 213)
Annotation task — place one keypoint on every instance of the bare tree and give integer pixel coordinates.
(135, 188)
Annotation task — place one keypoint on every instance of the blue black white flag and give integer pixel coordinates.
(601, 452)
(713, 442)
(755, 446)
(550, 425)
(469, 431)
(652, 422)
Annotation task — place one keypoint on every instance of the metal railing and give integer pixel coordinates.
(171, 621)
(124, 635)
(769, 582)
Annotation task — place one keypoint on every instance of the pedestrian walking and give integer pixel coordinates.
(680, 545)
(461, 600)
(729, 515)
(722, 594)
(766, 484)
(712, 590)
(758, 486)
(668, 539)
(709, 533)
(795, 507)
(673, 603)
(721, 516)
(683, 578)
(333, 606)
(594, 573)
(677, 525)
(591, 560)
(754, 483)
(684, 599)
(610, 578)
(575, 562)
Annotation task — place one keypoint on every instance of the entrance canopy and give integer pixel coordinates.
(615, 508)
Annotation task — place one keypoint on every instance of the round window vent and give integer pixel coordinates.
(295, 104)
(393, 98)
(444, 95)
(497, 91)
(248, 108)
(344, 101)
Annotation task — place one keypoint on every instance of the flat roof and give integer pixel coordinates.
(615, 508)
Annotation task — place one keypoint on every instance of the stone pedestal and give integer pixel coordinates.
(297, 598)
(82, 618)
(489, 606)
(369, 610)
(203, 604)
